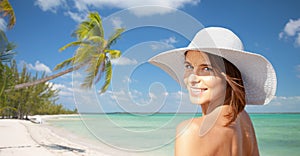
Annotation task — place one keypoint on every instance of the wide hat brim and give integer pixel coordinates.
(258, 74)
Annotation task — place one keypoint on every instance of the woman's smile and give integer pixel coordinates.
(195, 91)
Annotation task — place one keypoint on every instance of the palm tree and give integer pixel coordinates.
(7, 10)
(93, 53)
(6, 48)
(6, 77)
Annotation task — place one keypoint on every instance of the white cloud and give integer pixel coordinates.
(171, 40)
(291, 30)
(38, 66)
(179, 95)
(50, 5)
(121, 4)
(292, 27)
(278, 104)
(123, 61)
(64, 91)
(148, 11)
(82, 6)
(77, 17)
(135, 93)
(120, 95)
(130, 98)
(58, 86)
(284, 103)
(2, 24)
(116, 22)
(281, 35)
(164, 44)
(127, 80)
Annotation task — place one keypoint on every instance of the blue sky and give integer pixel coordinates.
(270, 28)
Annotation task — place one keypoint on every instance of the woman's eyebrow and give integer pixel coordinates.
(205, 65)
(186, 62)
(202, 65)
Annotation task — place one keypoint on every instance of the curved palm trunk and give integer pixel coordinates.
(28, 84)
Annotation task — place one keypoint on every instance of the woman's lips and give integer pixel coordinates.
(197, 91)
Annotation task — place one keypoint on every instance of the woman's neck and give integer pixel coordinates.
(209, 107)
(204, 108)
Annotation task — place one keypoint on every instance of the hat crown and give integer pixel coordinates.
(216, 37)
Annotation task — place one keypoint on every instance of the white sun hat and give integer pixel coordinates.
(258, 74)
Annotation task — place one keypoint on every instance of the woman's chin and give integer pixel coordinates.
(195, 100)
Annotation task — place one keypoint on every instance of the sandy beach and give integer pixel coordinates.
(21, 137)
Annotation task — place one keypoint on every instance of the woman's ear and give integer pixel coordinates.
(224, 75)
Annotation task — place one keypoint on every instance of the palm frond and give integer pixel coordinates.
(83, 30)
(93, 70)
(100, 73)
(11, 46)
(84, 53)
(7, 56)
(96, 39)
(3, 41)
(113, 53)
(6, 48)
(113, 38)
(100, 62)
(7, 10)
(92, 26)
(96, 20)
(75, 43)
(88, 81)
(65, 63)
(108, 75)
(3, 37)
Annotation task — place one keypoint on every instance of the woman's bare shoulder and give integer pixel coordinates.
(236, 139)
(186, 142)
(189, 126)
(190, 142)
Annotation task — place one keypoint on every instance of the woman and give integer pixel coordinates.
(222, 78)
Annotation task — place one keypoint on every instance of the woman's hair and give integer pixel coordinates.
(235, 91)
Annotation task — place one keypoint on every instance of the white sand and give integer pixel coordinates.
(15, 140)
(19, 137)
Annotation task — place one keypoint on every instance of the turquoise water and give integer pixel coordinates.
(277, 134)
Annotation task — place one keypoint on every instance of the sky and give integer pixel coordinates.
(270, 28)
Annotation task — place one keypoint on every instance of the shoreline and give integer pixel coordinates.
(22, 137)
(93, 141)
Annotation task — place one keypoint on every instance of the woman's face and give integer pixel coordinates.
(203, 84)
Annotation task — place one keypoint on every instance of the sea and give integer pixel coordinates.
(154, 134)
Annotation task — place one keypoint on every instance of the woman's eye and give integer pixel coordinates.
(207, 69)
(188, 67)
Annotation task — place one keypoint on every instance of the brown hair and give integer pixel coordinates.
(235, 91)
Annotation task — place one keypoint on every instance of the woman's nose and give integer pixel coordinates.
(194, 79)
